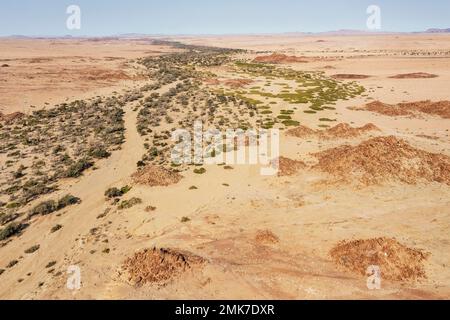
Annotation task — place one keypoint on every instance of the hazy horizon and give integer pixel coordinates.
(199, 17)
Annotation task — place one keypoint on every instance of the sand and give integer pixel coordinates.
(355, 185)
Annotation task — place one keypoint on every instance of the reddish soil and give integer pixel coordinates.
(396, 261)
(384, 159)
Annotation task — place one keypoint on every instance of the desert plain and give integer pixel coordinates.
(88, 188)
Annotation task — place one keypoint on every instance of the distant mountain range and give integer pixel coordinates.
(436, 30)
(142, 35)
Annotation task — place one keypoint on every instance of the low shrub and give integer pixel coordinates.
(32, 249)
(76, 169)
(11, 229)
(126, 204)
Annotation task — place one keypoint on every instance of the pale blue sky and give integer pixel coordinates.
(108, 17)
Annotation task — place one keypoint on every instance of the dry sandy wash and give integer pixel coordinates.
(87, 180)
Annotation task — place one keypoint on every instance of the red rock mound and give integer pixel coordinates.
(153, 176)
(280, 58)
(439, 108)
(237, 83)
(396, 261)
(266, 237)
(159, 265)
(289, 167)
(383, 159)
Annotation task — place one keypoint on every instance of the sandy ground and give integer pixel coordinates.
(39, 73)
(230, 208)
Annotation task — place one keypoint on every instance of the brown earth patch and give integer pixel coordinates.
(382, 159)
(152, 175)
(159, 265)
(396, 261)
(266, 237)
(439, 108)
(348, 76)
(289, 167)
(237, 83)
(11, 117)
(416, 75)
(280, 58)
(342, 130)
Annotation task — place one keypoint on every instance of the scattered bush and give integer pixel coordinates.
(55, 228)
(12, 263)
(77, 169)
(200, 171)
(11, 229)
(67, 200)
(44, 208)
(32, 249)
(51, 206)
(126, 204)
(117, 193)
(99, 153)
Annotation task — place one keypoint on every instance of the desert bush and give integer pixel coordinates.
(55, 228)
(200, 171)
(126, 204)
(117, 193)
(67, 200)
(11, 229)
(12, 263)
(99, 152)
(113, 193)
(7, 217)
(185, 219)
(32, 249)
(44, 208)
(77, 169)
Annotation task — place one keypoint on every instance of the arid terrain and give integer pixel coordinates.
(87, 179)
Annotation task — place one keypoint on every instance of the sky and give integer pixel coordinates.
(112, 17)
